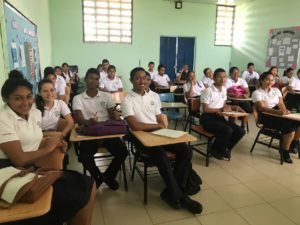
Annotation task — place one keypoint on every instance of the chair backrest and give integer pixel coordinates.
(256, 117)
(166, 97)
(194, 104)
(165, 119)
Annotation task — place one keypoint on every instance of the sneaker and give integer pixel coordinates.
(112, 183)
(227, 155)
(191, 205)
(216, 154)
(165, 196)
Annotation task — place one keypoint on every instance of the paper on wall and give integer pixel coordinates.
(273, 61)
(271, 50)
(278, 42)
(295, 46)
(288, 50)
(281, 60)
(287, 41)
(291, 58)
(281, 64)
(295, 40)
(281, 50)
(274, 41)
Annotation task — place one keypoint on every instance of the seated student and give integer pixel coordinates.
(161, 79)
(151, 70)
(59, 84)
(208, 77)
(61, 79)
(293, 100)
(141, 110)
(250, 75)
(94, 106)
(183, 73)
(287, 75)
(52, 111)
(193, 87)
(99, 68)
(111, 83)
(22, 145)
(268, 99)
(67, 74)
(104, 68)
(277, 78)
(213, 103)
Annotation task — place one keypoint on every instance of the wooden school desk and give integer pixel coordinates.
(176, 105)
(291, 116)
(240, 99)
(21, 211)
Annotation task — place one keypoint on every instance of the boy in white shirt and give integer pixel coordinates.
(103, 73)
(207, 80)
(151, 70)
(250, 75)
(111, 83)
(161, 79)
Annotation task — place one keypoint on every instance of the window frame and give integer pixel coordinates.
(106, 42)
(232, 29)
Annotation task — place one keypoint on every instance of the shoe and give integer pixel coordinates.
(227, 154)
(165, 196)
(216, 154)
(294, 147)
(191, 205)
(286, 157)
(112, 183)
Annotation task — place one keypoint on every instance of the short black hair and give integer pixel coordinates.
(65, 64)
(285, 72)
(135, 70)
(48, 71)
(250, 64)
(205, 70)
(233, 69)
(218, 71)
(105, 61)
(148, 74)
(160, 66)
(90, 71)
(11, 84)
(150, 63)
(264, 75)
(57, 67)
(15, 74)
(111, 67)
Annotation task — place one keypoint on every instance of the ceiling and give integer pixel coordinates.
(213, 2)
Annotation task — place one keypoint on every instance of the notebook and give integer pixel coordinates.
(169, 133)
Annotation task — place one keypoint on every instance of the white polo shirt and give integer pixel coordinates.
(152, 74)
(207, 80)
(111, 85)
(51, 116)
(162, 80)
(15, 128)
(95, 107)
(214, 97)
(68, 76)
(270, 98)
(60, 86)
(295, 83)
(248, 76)
(197, 88)
(285, 80)
(240, 82)
(103, 75)
(144, 108)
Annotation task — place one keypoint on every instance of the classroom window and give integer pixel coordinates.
(107, 21)
(224, 25)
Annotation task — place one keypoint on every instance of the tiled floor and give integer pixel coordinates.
(250, 189)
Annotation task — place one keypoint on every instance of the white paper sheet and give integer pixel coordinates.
(169, 133)
(287, 41)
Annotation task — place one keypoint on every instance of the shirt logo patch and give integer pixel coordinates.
(152, 102)
(57, 114)
(39, 124)
(102, 104)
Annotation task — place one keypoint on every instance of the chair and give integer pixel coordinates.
(147, 162)
(270, 133)
(172, 114)
(194, 112)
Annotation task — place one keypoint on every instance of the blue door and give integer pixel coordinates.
(168, 55)
(185, 54)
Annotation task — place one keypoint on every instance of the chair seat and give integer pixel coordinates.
(272, 133)
(200, 130)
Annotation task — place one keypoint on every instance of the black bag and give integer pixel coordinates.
(193, 183)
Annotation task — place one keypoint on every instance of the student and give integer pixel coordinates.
(151, 70)
(161, 79)
(99, 68)
(183, 73)
(61, 79)
(268, 99)
(277, 78)
(238, 88)
(293, 100)
(250, 75)
(141, 110)
(67, 74)
(94, 106)
(208, 77)
(22, 145)
(213, 103)
(193, 87)
(49, 74)
(104, 66)
(111, 83)
(287, 75)
(52, 110)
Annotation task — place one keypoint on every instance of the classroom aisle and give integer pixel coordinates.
(250, 189)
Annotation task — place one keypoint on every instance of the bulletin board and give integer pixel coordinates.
(283, 47)
(22, 44)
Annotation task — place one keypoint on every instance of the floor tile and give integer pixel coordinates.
(224, 218)
(247, 174)
(190, 221)
(289, 207)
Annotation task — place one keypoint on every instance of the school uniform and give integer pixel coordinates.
(242, 83)
(285, 80)
(103, 75)
(207, 81)
(145, 108)
(96, 108)
(71, 192)
(293, 100)
(60, 86)
(271, 99)
(52, 116)
(68, 76)
(227, 133)
(111, 85)
(162, 80)
(152, 74)
(249, 77)
(197, 88)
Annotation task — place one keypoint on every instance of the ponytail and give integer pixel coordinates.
(39, 102)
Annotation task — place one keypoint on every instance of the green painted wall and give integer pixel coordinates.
(253, 21)
(151, 19)
(38, 12)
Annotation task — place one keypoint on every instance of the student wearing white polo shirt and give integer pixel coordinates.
(207, 80)
(193, 87)
(292, 98)
(59, 83)
(151, 70)
(94, 106)
(213, 104)
(268, 99)
(141, 110)
(250, 75)
(287, 75)
(161, 79)
(104, 67)
(111, 83)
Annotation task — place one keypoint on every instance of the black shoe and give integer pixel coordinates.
(286, 157)
(227, 155)
(191, 205)
(112, 183)
(165, 196)
(217, 154)
(294, 147)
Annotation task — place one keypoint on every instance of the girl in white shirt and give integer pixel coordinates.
(208, 77)
(269, 100)
(292, 98)
(193, 87)
(111, 83)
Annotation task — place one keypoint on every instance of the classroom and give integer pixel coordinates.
(166, 111)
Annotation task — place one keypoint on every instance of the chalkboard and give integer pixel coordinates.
(22, 44)
(283, 47)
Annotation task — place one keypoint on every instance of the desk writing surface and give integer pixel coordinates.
(173, 105)
(234, 114)
(240, 99)
(291, 116)
(21, 211)
(151, 140)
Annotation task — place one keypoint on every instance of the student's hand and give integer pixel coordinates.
(227, 108)
(52, 143)
(193, 82)
(63, 146)
(91, 121)
(286, 112)
(280, 112)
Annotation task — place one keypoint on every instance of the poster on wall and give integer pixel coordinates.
(283, 47)
(22, 44)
